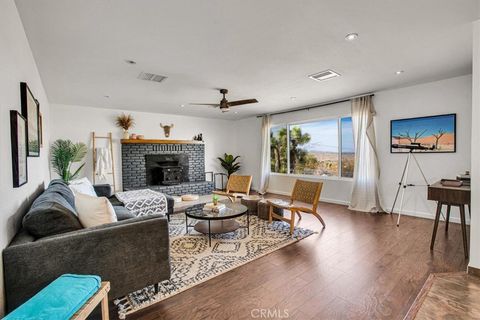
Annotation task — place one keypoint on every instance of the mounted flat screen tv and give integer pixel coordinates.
(436, 133)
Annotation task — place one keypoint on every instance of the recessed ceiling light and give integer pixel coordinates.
(130, 61)
(236, 112)
(182, 105)
(399, 72)
(351, 36)
(293, 98)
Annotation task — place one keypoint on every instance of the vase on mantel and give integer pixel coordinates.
(126, 135)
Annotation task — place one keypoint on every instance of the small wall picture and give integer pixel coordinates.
(40, 122)
(436, 133)
(18, 127)
(31, 112)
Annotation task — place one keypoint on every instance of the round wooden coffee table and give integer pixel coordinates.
(216, 222)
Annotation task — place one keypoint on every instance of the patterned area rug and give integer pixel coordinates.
(194, 262)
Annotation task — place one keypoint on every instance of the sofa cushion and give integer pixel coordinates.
(51, 214)
(123, 213)
(61, 187)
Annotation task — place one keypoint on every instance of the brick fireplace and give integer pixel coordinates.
(174, 167)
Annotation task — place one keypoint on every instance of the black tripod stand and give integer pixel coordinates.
(404, 184)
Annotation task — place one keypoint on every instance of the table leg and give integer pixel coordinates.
(448, 217)
(210, 235)
(186, 224)
(469, 211)
(248, 223)
(104, 306)
(435, 226)
(464, 230)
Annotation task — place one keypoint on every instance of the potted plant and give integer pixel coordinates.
(64, 153)
(215, 199)
(125, 122)
(229, 163)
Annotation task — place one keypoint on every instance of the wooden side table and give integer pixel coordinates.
(264, 208)
(251, 202)
(101, 296)
(450, 196)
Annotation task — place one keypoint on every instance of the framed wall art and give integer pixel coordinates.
(31, 112)
(436, 133)
(18, 127)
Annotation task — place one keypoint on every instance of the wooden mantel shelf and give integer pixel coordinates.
(159, 141)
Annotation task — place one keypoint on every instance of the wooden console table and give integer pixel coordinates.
(450, 196)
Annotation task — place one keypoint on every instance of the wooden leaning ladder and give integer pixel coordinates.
(94, 153)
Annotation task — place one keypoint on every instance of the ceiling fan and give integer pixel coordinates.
(224, 104)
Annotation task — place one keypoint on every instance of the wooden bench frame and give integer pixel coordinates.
(101, 296)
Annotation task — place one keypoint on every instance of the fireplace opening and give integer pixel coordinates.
(166, 169)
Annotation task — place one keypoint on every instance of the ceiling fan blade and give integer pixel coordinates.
(214, 105)
(240, 102)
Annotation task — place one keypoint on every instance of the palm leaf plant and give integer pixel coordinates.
(64, 153)
(229, 163)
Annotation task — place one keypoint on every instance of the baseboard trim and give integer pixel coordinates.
(417, 214)
(473, 271)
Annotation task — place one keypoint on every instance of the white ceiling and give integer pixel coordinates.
(260, 49)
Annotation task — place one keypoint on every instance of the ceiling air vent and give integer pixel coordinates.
(324, 75)
(151, 77)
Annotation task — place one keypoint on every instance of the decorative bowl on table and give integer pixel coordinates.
(190, 197)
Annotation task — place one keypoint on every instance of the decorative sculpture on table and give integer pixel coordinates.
(166, 129)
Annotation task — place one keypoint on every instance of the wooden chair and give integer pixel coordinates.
(237, 187)
(305, 198)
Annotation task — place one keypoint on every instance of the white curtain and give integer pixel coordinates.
(365, 194)
(265, 161)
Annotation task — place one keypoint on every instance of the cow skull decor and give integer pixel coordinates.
(166, 129)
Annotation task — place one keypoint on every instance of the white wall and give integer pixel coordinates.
(78, 122)
(440, 97)
(249, 147)
(475, 224)
(16, 65)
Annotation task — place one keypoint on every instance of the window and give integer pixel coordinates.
(321, 148)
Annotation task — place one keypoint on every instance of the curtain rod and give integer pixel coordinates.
(318, 105)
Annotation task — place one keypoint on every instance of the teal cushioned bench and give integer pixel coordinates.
(59, 300)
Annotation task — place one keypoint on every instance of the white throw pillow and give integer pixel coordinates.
(82, 185)
(94, 211)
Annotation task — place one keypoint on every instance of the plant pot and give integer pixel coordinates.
(126, 135)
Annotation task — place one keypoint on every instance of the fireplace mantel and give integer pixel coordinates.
(159, 141)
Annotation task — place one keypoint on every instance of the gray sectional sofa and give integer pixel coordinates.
(131, 253)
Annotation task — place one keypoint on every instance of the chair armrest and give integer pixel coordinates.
(103, 190)
(131, 254)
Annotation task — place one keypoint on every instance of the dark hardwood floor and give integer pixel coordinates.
(360, 267)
